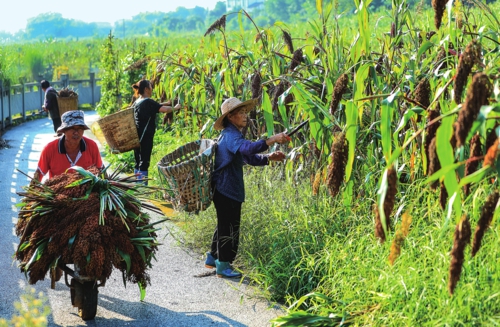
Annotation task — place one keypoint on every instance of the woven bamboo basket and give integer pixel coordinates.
(67, 104)
(120, 131)
(186, 175)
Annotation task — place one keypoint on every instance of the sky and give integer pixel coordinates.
(15, 14)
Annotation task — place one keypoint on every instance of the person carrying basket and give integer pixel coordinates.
(145, 110)
(233, 151)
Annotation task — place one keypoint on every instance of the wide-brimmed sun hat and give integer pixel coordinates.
(70, 119)
(232, 104)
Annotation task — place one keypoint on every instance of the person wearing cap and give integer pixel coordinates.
(145, 110)
(50, 104)
(71, 149)
(233, 151)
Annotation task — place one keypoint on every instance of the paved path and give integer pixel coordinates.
(175, 297)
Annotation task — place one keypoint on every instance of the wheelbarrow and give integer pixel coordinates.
(83, 290)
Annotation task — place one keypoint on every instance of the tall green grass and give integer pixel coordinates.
(294, 244)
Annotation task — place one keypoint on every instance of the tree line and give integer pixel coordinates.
(182, 20)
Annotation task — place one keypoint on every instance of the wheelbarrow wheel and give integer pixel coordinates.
(88, 309)
(84, 296)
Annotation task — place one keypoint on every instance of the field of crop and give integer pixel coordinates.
(385, 212)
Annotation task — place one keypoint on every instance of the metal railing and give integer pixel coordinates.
(21, 100)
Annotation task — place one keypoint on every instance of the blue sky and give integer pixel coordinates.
(15, 14)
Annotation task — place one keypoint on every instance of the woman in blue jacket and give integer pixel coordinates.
(233, 151)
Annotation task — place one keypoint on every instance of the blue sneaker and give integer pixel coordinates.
(210, 261)
(224, 270)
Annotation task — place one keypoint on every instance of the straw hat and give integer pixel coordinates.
(232, 104)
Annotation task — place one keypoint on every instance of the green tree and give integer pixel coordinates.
(111, 77)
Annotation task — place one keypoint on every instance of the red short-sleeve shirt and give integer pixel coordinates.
(54, 161)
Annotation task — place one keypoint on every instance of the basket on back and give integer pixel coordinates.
(186, 175)
(120, 131)
(67, 104)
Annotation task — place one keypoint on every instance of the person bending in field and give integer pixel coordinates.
(145, 110)
(233, 151)
(71, 149)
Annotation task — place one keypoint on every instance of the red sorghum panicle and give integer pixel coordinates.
(317, 182)
(471, 55)
(477, 96)
(484, 221)
(336, 169)
(277, 92)
(471, 165)
(338, 91)
(430, 133)
(492, 137)
(399, 238)
(438, 6)
(390, 197)
(218, 25)
(423, 93)
(256, 86)
(388, 206)
(296, 59)
(460, 240)
(379, 229)
(443, 196)
(491, 155)
(288, 40)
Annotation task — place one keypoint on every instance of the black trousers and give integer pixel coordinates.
(142, 155)
(227, 233)
(57, 123)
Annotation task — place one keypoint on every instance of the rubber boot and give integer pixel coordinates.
(210, 261)
(140, 175)
(224, 270)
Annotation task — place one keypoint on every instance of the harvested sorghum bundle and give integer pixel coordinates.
(83, 218)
